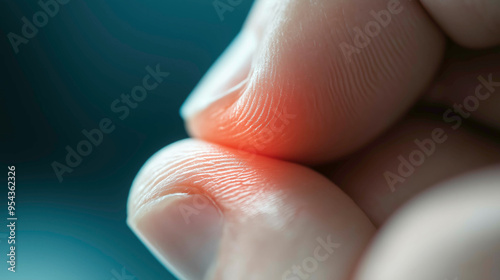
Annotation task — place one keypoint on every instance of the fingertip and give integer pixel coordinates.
(297, 68)
(255, 206)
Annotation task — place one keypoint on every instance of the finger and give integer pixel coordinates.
(206, 213)
(451, 232)
(411, 157)
(471, 23)
(470, 85)
(316, 79)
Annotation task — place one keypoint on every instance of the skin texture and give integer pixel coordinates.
(296, 128)
(472, 24)
(259, 200)
(459, 80)
(379, 195)
(452, 231)
(333, 101)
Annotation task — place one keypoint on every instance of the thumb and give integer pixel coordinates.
(207, 213)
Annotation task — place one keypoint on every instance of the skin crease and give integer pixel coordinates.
(463, 150)
(459, 80)
(261, 199)
(473, 24)
(284, 94)
(336, 102)
(452, 231)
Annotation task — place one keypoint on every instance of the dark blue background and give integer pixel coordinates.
(63, 81)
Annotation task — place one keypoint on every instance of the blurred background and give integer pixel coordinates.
(65, 66)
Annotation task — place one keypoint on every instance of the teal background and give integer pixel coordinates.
(63, 81)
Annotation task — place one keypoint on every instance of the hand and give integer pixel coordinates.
(304, 146)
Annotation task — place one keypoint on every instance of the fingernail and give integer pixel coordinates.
(229, 72)
(183, 231)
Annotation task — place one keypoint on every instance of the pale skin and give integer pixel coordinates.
(305, 162)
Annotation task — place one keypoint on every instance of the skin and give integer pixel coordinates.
(293, 138)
